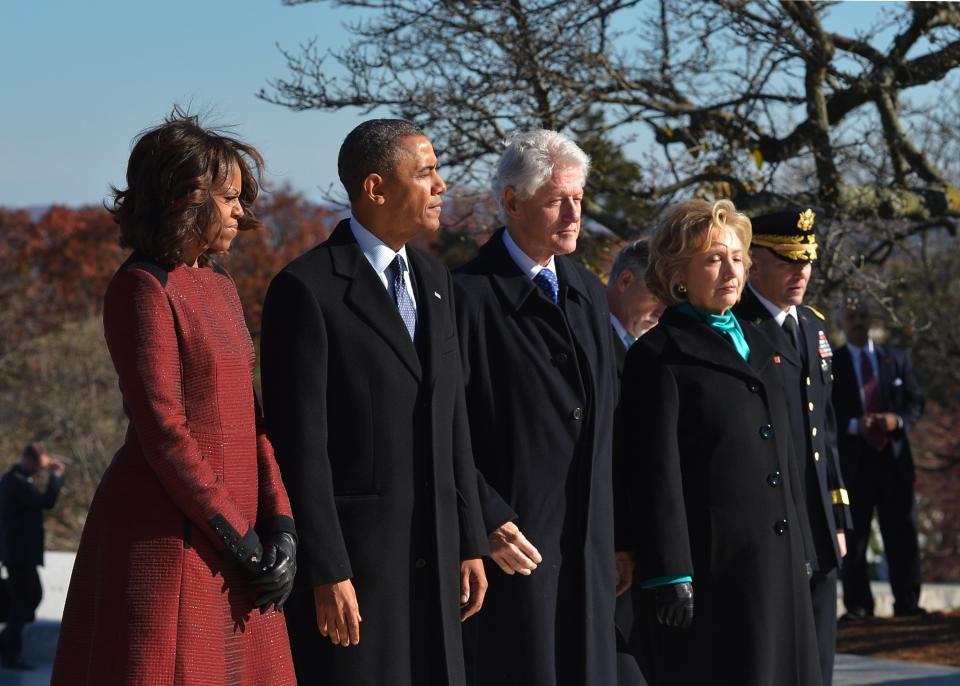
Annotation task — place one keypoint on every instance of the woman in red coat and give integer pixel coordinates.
(188, 551)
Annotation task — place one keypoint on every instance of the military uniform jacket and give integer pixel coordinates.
(540, 382)
(807, 378)
(716, 496)
(372, 440)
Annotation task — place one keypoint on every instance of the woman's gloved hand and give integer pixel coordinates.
(675, 605)
(279, 566)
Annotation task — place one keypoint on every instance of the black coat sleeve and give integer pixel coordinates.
(294, 354)
(913, 400)
(21, 494)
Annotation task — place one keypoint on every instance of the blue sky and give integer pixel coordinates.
(79, 79)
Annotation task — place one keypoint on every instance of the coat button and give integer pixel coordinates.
(813, 431)
(766, 431)
(420, 563)
(808, 380)
(560, 358)
(780, 528)
(754, 387)
(810, 406)
(816, 456)
(774, 479)
(577, 413)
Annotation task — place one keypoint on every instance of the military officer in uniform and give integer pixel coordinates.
(783, 252)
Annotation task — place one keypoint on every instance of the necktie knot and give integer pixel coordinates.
(546, 280)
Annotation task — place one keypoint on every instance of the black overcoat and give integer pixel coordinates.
(372, 440)
(716, 497)
(808, 382)
(21, 516)
(540, 382)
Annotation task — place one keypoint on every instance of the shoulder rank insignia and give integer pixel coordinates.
(816, 312)
(824, 345)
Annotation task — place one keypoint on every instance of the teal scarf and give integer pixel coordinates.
(724, 324)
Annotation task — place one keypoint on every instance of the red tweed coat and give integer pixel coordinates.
(157, 596)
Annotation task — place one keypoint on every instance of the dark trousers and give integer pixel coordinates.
(25, 595)
(884, 485)
(823, 591)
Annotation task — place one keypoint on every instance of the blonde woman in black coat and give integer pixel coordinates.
(716, 518)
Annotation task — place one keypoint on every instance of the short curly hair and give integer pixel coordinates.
(172, 173)
(686, 229)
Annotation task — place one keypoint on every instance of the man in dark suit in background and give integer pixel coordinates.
(363, 393)
(21, 542)
(783, 251)
(634, 310)
(878, 402)
(541, 384)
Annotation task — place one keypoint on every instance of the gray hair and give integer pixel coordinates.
(634, 256)
(529, 161)
(373, 147)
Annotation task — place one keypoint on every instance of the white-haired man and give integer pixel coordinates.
(540, 380)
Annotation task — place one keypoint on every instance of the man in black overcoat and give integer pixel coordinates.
(634, 310)
(540, 378)
(363, 394)
(21, 542)
(878, 401)
(783, 251)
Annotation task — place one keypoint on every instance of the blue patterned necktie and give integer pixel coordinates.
(408, 311)
(547, 282)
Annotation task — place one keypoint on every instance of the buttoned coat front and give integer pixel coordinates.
(716, 496)
(372, 440)
(540, 382)
(809, 385)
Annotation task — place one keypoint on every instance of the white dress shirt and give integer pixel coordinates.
(380, 255)
(779, 315)
(526, 263)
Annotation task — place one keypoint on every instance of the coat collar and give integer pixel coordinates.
(370, 300)
(752, 310)
(696, 339)
(515, 286)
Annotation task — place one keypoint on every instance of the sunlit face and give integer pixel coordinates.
(547, 223)
(782, 283)
(412, 191)
(219, 235)
(714, 279)
(641, 308)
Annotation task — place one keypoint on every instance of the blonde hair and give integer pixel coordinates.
(685, 230)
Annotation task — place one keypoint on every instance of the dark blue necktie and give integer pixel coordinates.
(546, 280)
(408, 311)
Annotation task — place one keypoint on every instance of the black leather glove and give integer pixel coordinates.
(277, 570)
(675, 605)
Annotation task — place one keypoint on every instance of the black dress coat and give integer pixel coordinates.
(371, 437)
(716, 497)
(21, 516)
(540, 382)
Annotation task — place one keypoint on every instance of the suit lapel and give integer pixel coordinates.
(884, 374)
(367, 297)
(430, 306)
(752, 310)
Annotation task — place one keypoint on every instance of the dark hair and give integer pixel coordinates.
(34, 450)
(372, 148)
(172, 172)
(634, 256)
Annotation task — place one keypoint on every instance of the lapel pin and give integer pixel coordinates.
(437, 295)
(776, 359)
